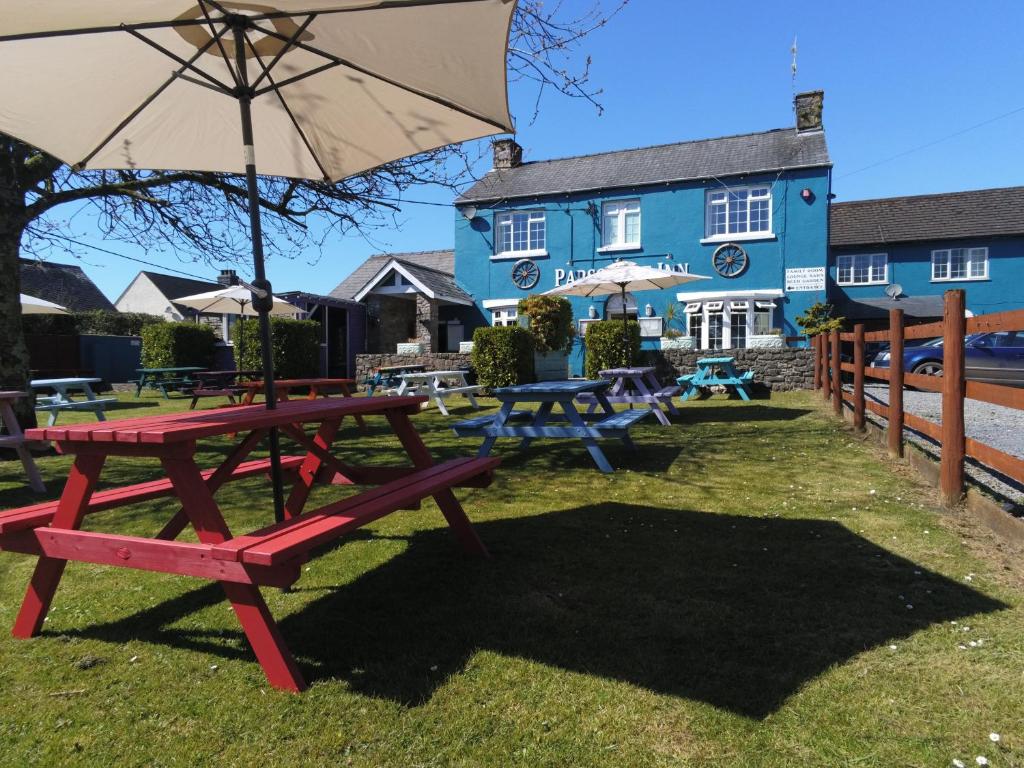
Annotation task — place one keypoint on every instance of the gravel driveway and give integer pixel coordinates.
(1000, 427)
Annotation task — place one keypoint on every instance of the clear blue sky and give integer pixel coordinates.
(896, 76)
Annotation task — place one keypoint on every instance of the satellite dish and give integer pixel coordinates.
(893, 291)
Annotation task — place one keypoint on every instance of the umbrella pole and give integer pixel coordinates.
(625, 328)
(262, 304)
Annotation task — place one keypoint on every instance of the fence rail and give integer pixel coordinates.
(955, 446)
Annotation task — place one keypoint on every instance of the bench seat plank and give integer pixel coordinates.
(284, 541)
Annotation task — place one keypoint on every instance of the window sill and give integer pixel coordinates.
(618, 248)
(519, 255)
(960, 279)
(737, 238)
(862, 285)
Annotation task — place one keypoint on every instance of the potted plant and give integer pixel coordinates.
(673, 337)
(549, 320)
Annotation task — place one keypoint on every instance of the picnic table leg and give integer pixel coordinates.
(450, 507)
(652, 383)
(538, 421)
(577, 421)
(310, 467)
(259, 626)
(434, 390)
(741, 390)
(346, 392)
(499, 421)
(641, 387)
(71, 508)
(9, 420)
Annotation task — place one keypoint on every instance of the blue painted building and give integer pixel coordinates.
(749, 211)
(924, 245)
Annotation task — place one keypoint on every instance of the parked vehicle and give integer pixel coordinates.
(996, 358)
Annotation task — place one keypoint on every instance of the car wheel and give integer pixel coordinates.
(929, 368)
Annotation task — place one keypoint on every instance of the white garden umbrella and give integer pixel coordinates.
(234, 300)
(620, 277)
(324, 88)
(30, 305)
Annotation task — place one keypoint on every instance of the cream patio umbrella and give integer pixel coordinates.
(324, 88)
(234, 300)
(30, 305)
(620, 277)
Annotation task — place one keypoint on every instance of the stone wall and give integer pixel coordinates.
(776, 369)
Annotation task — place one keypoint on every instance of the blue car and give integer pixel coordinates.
(995, 358)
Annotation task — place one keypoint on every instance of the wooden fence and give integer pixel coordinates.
(955, 445)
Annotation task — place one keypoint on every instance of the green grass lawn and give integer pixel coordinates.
(755, 586)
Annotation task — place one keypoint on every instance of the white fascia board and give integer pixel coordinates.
(758, 293)
(498, 303)
(383, 272)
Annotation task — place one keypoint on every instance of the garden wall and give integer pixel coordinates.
(777, 369)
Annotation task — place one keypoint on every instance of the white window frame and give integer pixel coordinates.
(624, 207)
(711, 205)
(749, 308)
(505, 219)
(849, 261)
(505, 316)
(970, 254)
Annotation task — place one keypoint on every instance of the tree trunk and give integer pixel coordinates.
(14, 365)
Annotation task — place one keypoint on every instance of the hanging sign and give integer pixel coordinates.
(805, 279)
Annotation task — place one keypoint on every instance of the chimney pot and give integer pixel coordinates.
(808, 110)
(227, 277)
(507, 154)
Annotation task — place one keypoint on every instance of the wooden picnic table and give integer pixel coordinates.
(438, 385)
(529, 425)
(283, 388)
(62, 399)
(716, 371)
(166, 378)
(270, 556)
(387, 376)
(635, 386)
(15, 439)
(219, 384)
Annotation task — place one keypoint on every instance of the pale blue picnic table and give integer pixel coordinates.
(635, 386)
(529, 425)
(716, 371)
(63, 401)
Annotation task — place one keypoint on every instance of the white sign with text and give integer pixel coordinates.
(805, 279)
(568, 276)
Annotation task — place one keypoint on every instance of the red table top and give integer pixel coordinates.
(192, 425)
(297, 383)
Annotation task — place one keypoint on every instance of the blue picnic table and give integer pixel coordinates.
(528, 425)
(62, 399)
(716, 371)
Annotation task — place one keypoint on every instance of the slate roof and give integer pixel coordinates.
(748, 153)
(64, 284)
(441, 261)
(175, 287)
(876, 309)
(948, 216)
(441, 283)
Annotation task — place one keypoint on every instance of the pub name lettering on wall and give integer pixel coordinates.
(568, 276)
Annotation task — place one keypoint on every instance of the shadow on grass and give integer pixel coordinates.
(737, 413)
(739, 612)
(130, 405)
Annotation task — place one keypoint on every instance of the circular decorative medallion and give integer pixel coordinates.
(525, 274)
(729, 260)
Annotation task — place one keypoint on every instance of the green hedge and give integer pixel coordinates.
(171, 345)
(604, 348)
(296, 346)
(98, 321)
(503, 356)
(551, 322)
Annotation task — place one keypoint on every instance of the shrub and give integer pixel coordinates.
(296, 346)
(97, 321)
(503, 356)
(171, 345)
(550, 322)
(819, 319)
(605, 348)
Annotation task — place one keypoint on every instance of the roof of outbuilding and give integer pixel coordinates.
(175, 287)
(441, 261)
(748, 153)
(64, 284)
(441, 283)
(947, 216)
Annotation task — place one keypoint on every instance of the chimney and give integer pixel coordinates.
(507, 154)
(227, 277)
(808, 110)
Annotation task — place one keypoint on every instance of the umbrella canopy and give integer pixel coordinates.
(620, 277)
(322, 88)
(233, 300)
(30, 305)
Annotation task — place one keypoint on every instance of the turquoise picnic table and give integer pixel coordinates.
(62, 399)
(716, 371)
(166, 378)
(528, 425)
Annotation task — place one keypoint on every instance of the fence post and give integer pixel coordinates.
(837, 372)
(895, 434)
(858, 376)
(816, 346)
(951, 466)
(826, 384)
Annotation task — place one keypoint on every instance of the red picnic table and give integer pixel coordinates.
(283, 388)
(270, 556)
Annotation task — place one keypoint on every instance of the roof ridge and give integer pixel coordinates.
(397, 254)
(926, 195)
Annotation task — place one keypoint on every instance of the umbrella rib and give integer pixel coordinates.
(186, 64)
(149, 100)
(383, 78)
(220, 43)
(284, 49)
(284, 104)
